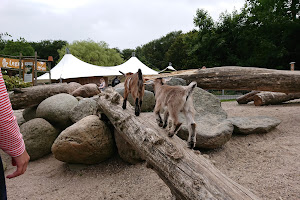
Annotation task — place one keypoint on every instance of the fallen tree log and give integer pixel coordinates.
(246, 98)
(187, 173)
(267, 98)
(31, 96)
(241, 78)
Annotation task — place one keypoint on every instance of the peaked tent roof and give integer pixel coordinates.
(132, 65)
(72, 67)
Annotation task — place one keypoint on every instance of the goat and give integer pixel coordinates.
(134, 84)
(175, 99)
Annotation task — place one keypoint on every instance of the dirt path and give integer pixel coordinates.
(268, 164)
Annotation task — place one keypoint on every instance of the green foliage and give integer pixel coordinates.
(14, 48)
(97, 53)
(47, 48)
(127, 53)
(14, 82)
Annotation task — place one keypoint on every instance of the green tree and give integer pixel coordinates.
(14, 48)
(97, 53)
(127, 53)
(47, 48)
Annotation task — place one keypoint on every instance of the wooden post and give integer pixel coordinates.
(20, 67)
(35, 69)
(49, 66)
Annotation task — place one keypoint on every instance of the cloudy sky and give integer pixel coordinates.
(120, 23)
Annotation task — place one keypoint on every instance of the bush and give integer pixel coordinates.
(14, 82)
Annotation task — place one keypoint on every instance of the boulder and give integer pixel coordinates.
(19, 116)
(72, 86)
(84, 108)
(29, 113)
(38, 135)
(212, 127)
(254, 124)
(87, 90)
(148, 100)
(89, 141)
(56, 109)
(125, 150)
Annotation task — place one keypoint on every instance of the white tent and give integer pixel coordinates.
(132, 65)
(72, 67)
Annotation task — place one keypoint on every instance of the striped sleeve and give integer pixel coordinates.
(11, 140)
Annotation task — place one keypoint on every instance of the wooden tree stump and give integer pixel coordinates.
(187, 173)
(267, 98)
(31, 96)
(247, 97)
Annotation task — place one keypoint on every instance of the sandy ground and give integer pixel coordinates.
(267, 164)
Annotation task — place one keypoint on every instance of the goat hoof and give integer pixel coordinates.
(165, 125)
(160, 124)
(137, 113)
(124, 107)
(191, 145)
(170, 134)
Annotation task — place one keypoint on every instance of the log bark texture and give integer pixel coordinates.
(242, 78)
(187, 173)
(267, 98)
(31, 96)
(246, 98)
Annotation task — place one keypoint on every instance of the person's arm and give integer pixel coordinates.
(11, 140)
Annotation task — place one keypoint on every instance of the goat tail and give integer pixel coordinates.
(140, 74)
(190, 89)
(140, 81)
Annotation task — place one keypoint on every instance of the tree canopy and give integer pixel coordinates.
(97, 53)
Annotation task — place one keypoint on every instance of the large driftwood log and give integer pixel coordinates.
(267, 98)
(31, 96)
(187, 173)
(242, 78)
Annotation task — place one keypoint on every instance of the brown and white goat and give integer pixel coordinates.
(134, 85)
(175, 99)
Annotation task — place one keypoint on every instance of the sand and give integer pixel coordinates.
(268, 164)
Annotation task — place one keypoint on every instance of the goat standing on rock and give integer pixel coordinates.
(134, 84)
(175, 99)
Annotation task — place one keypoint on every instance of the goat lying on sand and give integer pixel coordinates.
(175, 99)
(134, 84)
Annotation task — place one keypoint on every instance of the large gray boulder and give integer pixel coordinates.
(254, 124)
(19, 116)
(84, 108)
(125, 150)
(87, 90)
(38, 135)
(89, 141)
(148, 100)
(212, 127)
(29, 113)
(56, 109)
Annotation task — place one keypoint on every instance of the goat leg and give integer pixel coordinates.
(166, 116)
(137, 107)
(192, 136)
(124, 103)
(172, 133)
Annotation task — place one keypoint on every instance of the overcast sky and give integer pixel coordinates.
(120, 23)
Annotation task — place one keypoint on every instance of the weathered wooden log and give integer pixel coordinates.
(267, 98)
(246, 98)
(242, 78)
(187, 173)
(31, 96)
